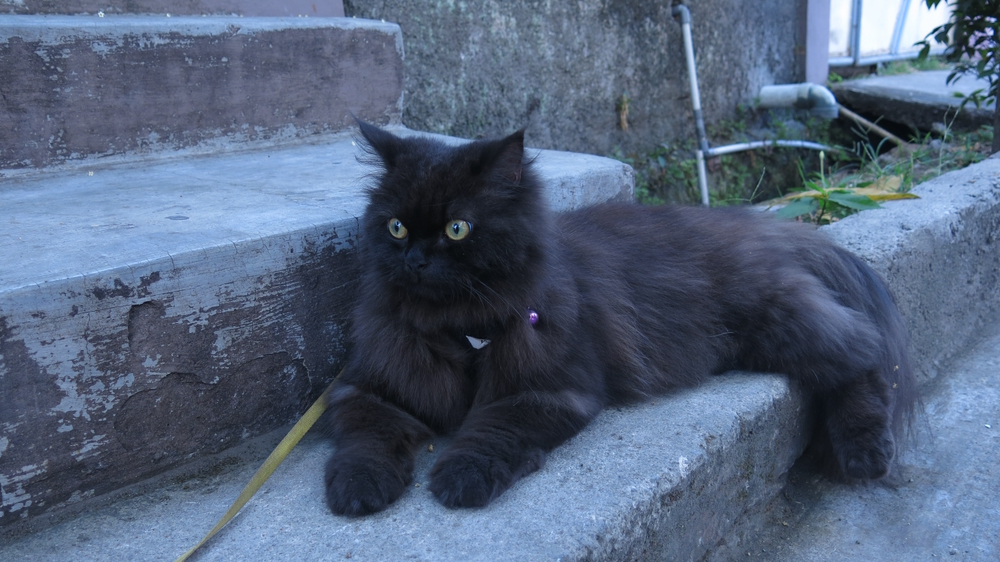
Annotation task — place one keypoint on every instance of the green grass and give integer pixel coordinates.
(908, 66)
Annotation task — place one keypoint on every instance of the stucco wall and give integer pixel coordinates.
(486, 67)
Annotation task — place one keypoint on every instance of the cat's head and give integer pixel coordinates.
(447, 222)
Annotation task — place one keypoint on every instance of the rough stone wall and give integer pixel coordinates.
(487, 67)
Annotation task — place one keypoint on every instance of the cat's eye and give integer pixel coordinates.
(397, 229)
(457, 230)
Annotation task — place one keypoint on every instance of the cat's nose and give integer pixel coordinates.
(415, 259)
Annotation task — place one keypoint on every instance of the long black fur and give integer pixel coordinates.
(631, 302)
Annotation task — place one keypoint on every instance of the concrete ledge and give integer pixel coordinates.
(663, 480)
(75, 86)
(152, 313)
(941, 256)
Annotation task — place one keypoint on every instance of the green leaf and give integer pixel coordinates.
(797, 208)
(853, 200)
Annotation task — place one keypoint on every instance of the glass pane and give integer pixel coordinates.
(840, 28)
(878, 20)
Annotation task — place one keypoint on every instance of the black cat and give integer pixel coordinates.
(484, 315)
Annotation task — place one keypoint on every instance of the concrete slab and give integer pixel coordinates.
(152, 312)
(918, 100)
(77, 86)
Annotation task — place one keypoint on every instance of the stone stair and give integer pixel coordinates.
(179, 201)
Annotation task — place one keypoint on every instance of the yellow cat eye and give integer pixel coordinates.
(397, 229)
(457, 230)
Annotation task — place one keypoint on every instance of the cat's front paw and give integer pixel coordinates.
(356, 486)
(468, 480)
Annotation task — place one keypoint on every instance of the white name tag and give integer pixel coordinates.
(477, 343)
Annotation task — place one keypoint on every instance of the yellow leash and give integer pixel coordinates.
(273, 460)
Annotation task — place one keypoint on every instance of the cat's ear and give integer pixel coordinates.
(379, 143)
(502, 156)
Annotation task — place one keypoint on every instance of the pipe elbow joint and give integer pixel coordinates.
(816, 99)
(682, 12)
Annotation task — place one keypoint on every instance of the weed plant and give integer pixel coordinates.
(867, 174)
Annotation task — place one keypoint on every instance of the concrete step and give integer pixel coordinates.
(680, 477)
(80, 86)
(152, 312)
(663, 480)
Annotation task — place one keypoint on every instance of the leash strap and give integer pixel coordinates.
(273, 460)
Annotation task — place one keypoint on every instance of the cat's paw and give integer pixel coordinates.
(356, 486)
(869, 457)
(468, 480)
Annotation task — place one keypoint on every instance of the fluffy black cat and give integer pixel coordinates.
(484, 315)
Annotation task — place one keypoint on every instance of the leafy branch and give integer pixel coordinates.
(973, 34)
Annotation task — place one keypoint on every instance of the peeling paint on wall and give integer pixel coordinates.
(113, 377)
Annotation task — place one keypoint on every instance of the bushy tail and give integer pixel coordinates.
(858, 287)
(881, 307)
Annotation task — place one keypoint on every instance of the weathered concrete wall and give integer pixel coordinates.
(488, 67)
(330, 8)
(107, 377)
(76, 86)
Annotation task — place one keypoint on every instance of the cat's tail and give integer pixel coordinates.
(861, 288)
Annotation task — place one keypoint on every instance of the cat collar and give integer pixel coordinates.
(479, 343)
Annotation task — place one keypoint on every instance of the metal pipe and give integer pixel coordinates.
(804, 96)
(813, 97)
(699, 119)
(753, 145)
(856, 32)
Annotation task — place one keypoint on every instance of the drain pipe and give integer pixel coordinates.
(819, 100)
(813, 97)
(684, 14)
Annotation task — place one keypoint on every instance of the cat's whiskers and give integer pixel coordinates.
(479, 295)
(511, 308)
